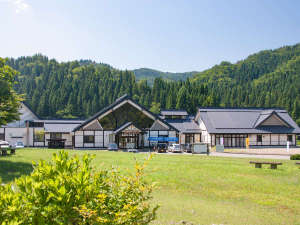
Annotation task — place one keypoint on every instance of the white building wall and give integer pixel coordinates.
(153, 133)
(252, 139)
(163, 132)
(68, 138)
(25, 114)
(98, 139)
(107, 138)
(47, 136)
(12, 133)
(78, 139)
(88, 145)
(283, 139)
(205, 136)
(276, 139)
(182, 138)
(172, 133)
(146, 136)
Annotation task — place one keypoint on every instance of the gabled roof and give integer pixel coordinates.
(185, 125)
(245, 120)
(266, 114)
(61, 126)
(28, 107)
(26, 114)
(116, 103)
(124, 126)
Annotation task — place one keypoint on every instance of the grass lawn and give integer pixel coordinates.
(198, 189)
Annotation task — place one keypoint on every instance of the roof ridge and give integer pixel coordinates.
(255, 108)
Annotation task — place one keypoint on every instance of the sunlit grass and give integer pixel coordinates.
(197, 188)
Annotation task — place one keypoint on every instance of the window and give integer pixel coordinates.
(189, 138)
(123, 114)
(36, 124)
(88, 139)
(39, 136)
(290, 138)
(259, 138)
(55, 135)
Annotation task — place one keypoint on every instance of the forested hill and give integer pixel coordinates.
(150, 75)
(269, 78)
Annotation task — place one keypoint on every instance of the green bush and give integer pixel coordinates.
(68, 191)
(295, 157)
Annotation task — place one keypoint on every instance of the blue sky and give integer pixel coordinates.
(168, 35)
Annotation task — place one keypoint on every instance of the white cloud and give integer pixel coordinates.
(19, 5)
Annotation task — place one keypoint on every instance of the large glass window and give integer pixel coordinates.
(55, 135)
(232, 140)
(39, 136)
(259, 138)
(125, 113)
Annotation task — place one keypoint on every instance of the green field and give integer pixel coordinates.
(197, 188)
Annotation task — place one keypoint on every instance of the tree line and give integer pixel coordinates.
(78, 89)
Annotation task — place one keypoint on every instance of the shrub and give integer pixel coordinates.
(68, 191)
(295, 157)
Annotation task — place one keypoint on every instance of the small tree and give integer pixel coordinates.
(69, 191)
(155, 107)
(9, 100)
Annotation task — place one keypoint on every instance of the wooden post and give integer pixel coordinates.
(257, 165)
(27, 133)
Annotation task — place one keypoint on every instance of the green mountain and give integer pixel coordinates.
(150, 75)
(269, 78)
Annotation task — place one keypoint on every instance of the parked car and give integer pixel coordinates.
(18, 144)
(174, 148)
(161, 147)
(4, 144)
(113, 147)
(187, 148)
(133, 150)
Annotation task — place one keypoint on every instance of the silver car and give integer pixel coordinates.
(175, 148)
(113, 147)
(19, 144)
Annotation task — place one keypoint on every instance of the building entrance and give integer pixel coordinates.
(128, 140)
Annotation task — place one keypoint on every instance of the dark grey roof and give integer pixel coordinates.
(185, 125)
(265, 114)
(124, 126)
(173, 112)
(244, 120)
(157, 126)
(60, 126)
(62, 121)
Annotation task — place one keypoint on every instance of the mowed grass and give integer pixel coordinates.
(197, 188)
